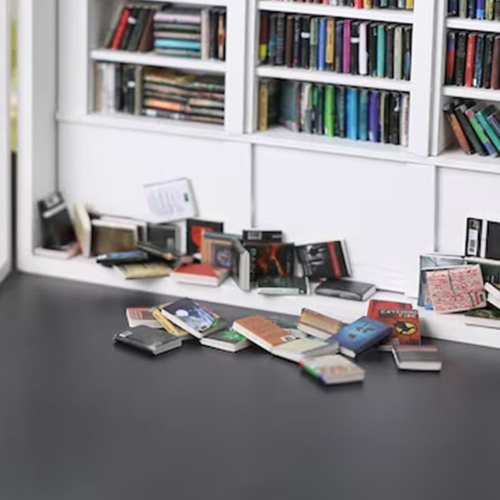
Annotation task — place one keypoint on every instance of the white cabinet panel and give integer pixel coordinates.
(5, 185)
(384, 210)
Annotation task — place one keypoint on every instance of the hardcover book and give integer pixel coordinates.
(150, 340)
(195, 229)
(456, 289)
(333, 369)
(346, 289)
(193, 317)
(361, 335)
(318, 325)
(403, 320)
(226, 340)
(271, 259)
(417, 358)
(324, 260)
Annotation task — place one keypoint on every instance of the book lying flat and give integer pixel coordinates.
(141, 316)
(144, 271)
(418, 358)
(300, 349)
(168, 326)
(226, 340)
(149, 340)
(200, 274)
(333, 369)
(318, 325)
(346, 289)
(193, 317)
(488, 318)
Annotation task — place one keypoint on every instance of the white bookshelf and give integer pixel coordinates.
(388, 15)
(458, 23)
(152, 59)
(315, 188)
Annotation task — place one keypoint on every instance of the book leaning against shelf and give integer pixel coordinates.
(159, 93)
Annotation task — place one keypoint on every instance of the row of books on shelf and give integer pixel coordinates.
(362, 4)
(335, 111)
(328, 44)
(159, 93)
(170, 30)
(320, 344)
(473, 59)
(476, 126)
(475, 9)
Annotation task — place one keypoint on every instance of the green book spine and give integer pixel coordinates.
(329, 110)
(312, 372)
(490, 14)
(481, 116)
(381, 51)
(478, 129)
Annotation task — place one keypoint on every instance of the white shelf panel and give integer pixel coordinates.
(282, 137)
(329, 77)
(473, 24)
(153, 125)
(471, 93)
(456, 158)
(392, 16)
(446, 327)
(152, 59)
(195, 2)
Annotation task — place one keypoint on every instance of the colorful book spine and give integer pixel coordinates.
(364, 98)
(373, 131)
(478, 129)
(381, 56)
(352, 113)
(322, 44)
(347, 47)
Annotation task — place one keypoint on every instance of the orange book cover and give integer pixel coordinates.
(320, 321)
(265, 329)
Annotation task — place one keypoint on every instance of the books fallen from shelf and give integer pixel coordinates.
(333, 369)
(141, 316)
(226, 340)
(346, 289)
(148, 339)
(418, 358)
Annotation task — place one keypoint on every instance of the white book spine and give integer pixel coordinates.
(205, 33)
(398, 53)
(363, 47)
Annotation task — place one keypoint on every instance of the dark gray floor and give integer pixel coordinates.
(83, 419)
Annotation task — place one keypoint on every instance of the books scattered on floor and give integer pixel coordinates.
(346, 289)
(141, 316)
(333, 369)
(318, 325)
(226, 340)
(148, 339)
(418, 358)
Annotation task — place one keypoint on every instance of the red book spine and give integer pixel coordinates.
(122, 26)
(450, 63)
(358, 4)
(495, 70)
(469, 61)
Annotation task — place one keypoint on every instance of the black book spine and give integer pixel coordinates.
(280, 40)
(372, 49)
(297, 28)
(214, 32)
(393, 4)
(479, 61)
(468, 130)
(376, 4)
(339, 46)
(131, 24)
(395, 118)
(273, 39)
(496, 14)
(119, 86)
(407, 42)
(389, 51)
(385, 112)
(142, 19)
(305, 47)
(472, 9)
(340, 122)
(488, 60)
(460, 58)
(355, 47)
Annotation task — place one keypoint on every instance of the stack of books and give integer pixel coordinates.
(475, 9)
(362, 4)
(335, 111)
(159, 93)
(476, 126)
(340, 45)
(190, 32)
(473, 60)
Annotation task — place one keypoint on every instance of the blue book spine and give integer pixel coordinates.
(453, 7)
(373, 131)
(178, 44)
(478, 63)
(322, 45)
(364, 97)
(481, 9)
(381, 50)
(384, 3)
(352, 113)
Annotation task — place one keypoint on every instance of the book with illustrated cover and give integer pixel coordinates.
(141, 316)
(401, 317)
(83, 228)
(346, 289)
(194, 231)
(417, 358)
(144, 271)
(148, 339)
(200, 274)
(324, 260)
(193, 317)
(300, 349)
(318, 325)
(456, 289)
(361, 335)
(226, 340)
(263, 332)
(333, 369)
(123, 258)
(240, 268)
(482, 239)
(271, 259)
(258, 235)
(217, 249)
(110, 237)
(288, 285)
(167, 325)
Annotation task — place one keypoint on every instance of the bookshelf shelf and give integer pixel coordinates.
(473, 24)
(471, 93)
(455, 158)
(151, 59)
(282, 137)
(215, 3)
(307, 75)
(393, 16)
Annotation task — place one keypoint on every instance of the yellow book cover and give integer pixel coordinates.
(142, 271)
(330, 42)
(263, 106)
(368, 4)
(409, 4)
(166, 324)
